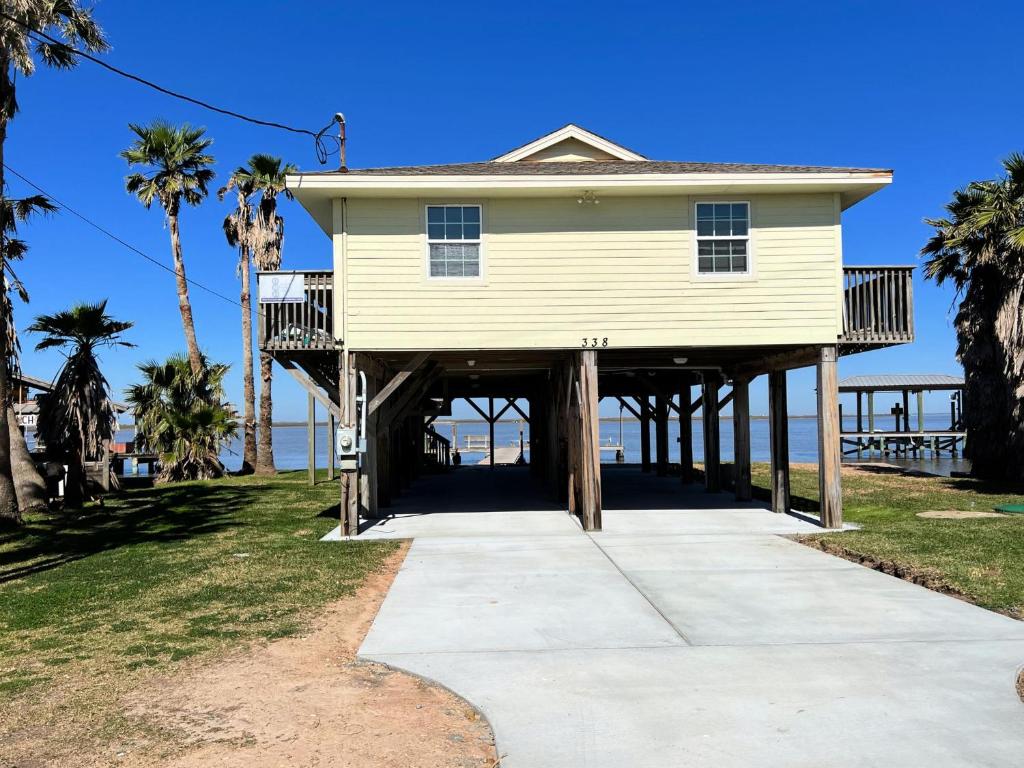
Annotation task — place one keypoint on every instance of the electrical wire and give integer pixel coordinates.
(117, 239)
(319, 137)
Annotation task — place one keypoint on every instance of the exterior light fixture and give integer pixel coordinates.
(680, 360)
(589, 197)
(474, 376)
(471, 363)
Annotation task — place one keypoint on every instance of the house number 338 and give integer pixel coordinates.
(593, 341)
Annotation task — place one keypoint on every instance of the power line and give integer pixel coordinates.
(117, 239)
(322, 152)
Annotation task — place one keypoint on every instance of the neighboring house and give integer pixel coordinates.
(25, 392)
(572, 269)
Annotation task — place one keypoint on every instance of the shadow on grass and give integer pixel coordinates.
(161, 514)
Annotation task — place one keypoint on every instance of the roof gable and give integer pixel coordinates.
(569, 143)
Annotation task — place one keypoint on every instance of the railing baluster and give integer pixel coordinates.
(878, 305)
(305, 324)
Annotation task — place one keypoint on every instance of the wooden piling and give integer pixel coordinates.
(661, 435)
(490, 430)
(369, 483)
(778, 425)
(311, 438)
(685, 436)
(349, 477)
(590, 442)
(712, 449)
(742, 485)
(829, 472)
(645, 432)
(331, 459)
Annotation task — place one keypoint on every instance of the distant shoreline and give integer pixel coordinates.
(607, 419)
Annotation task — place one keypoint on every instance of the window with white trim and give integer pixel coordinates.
(723, 238)
(453, 240)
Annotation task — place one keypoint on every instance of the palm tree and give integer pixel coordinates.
(177, 169)
(257, 233)
(979, 248)
(63, 20)
(29, 485)
(76, 417)
(181, 415)
(239, 232)
(266, 175)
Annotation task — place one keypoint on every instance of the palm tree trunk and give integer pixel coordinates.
(249, 455)
(184, 305)
(29, 485)
(74, 483)
(265, 452)
(8, 496)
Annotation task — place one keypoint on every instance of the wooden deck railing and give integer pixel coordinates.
(878, 305)
(436, 447)
(294, 319)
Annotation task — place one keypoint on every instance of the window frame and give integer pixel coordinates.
(472, 279)
(750, 273)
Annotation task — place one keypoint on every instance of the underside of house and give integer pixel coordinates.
(586, 279)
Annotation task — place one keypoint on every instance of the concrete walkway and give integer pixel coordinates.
(696, 637)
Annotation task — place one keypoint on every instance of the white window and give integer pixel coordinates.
(723, 238)
(453, 240)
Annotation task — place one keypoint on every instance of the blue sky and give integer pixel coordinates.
(930, 90)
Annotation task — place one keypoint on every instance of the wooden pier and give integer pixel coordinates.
(903, 439)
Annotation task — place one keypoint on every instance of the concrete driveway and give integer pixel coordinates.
(699, 637)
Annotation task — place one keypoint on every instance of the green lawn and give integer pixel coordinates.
(982, 558)
(159, 575)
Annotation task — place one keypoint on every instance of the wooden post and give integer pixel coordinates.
(572, 434)
(712, 451)
(741, 439)
(860, 421)
(490, 429)
(330, 444)
(349, 477)
(645, 433)
(871, 423)
(685, 436)
(311, 438)
(368, 482)
(661, 434)
(590, 442)
(829, 478)
(778, 425)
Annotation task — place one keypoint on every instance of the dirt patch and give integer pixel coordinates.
(1020, 685)
(308, 701)
(303, 701)
(957, 514)
(920, 576)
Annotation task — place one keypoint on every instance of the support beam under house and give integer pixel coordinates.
(830, 491)
(741, 439)
(779, 436)
(589, 426)
(712, 448)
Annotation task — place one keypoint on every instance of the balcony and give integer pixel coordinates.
(878, 307)
(296, 310)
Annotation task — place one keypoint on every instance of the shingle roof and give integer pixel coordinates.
(590, 168)
(897, 381)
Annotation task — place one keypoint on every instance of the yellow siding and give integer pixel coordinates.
(556, 271)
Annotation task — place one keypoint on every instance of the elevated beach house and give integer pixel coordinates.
(565, 271)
